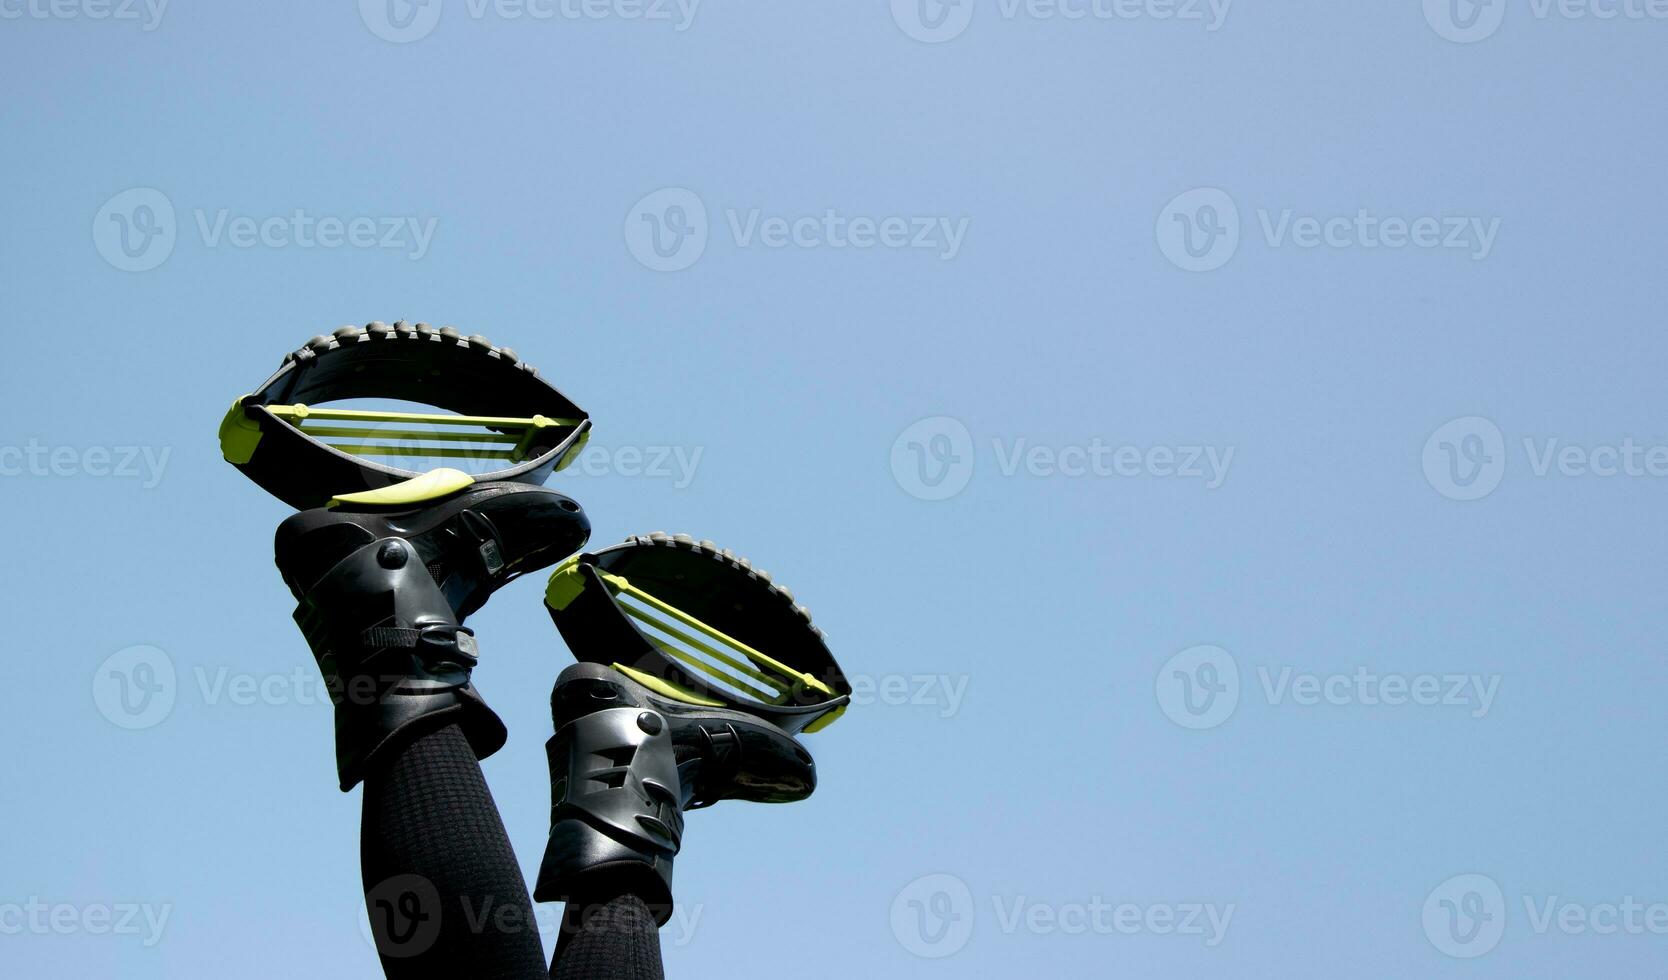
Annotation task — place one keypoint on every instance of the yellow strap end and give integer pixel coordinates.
(434, 484)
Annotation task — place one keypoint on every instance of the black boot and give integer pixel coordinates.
(383, 591)
(624, 765)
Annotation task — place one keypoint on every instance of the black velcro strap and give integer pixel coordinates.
(406, 638)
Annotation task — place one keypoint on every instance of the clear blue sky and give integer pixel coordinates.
(968, 412)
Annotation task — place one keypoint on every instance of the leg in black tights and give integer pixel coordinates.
(446, 897)
(617, 937)
(442, 887)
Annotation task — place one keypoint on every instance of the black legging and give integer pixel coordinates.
(446, 897)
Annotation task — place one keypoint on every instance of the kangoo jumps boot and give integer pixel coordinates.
(384, 580)
(625, 763)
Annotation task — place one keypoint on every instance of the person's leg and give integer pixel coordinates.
(382, 594)
(445, 895)
(442, 887)
(618, 938)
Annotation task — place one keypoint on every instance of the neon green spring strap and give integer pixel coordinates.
(752, 676)
(511, 445)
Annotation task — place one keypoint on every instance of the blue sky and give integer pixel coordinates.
(1221, 440)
